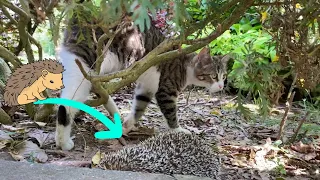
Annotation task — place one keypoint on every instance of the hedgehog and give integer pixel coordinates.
(168, 153)
(27, 82)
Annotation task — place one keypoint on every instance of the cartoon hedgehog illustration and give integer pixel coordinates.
(168, 153)
(26, 83)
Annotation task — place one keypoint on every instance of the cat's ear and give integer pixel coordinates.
(204, 52)
(225, 59)
(204, 56)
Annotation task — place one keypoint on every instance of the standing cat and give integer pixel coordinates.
(166, 80)
(129, 46)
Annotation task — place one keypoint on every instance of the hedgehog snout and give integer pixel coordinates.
(62, 87)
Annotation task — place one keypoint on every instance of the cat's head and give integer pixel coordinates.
(210, 71)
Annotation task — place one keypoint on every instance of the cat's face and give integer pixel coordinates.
(210, 72)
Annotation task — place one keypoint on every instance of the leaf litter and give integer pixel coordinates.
(250, 149)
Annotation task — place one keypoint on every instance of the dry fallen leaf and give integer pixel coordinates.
(41, 124)
(13, 129)
(141, 131)
(303, 148)
(42, 137)
(216, 112)
(97, 158)
(4, 139)
(29, 150)
(3, 143)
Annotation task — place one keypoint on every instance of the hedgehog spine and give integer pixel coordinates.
(168, 153)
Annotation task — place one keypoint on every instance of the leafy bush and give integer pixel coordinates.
(255, 69)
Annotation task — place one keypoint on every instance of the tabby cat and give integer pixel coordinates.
(166, 80)
(129, 46)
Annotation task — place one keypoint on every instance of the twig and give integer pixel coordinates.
(101, 53)
(187, 102)
(288, 106)
(85, 74)
(50, 6)
(285, 116)
(299, 127)
(57, 152)
(96, 86)
(277, 3)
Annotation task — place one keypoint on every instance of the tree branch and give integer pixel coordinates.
(9, 57)
(130, 74)
(23, 21)
(35, 42)
(14, 8)
(155, 56)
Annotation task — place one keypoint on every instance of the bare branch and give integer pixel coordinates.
(9, 57)
(101, 52)
(288, 107)
(14, 8)
(23, 21)
(96, 86)
(35, 42)
(155, 56)
(7, 14)
(299, 127)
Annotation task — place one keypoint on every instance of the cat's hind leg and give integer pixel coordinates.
(76, 88)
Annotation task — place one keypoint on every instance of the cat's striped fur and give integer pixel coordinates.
(166, 80)
(128, 46)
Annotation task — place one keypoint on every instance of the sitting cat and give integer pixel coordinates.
(166, 80)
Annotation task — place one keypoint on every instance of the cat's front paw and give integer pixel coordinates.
(67, 145)
(180, 129)
(128, 125)
(64, 144)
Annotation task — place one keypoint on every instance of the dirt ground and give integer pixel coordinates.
(249, 147)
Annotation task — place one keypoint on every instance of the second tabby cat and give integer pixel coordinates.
(166, 80)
